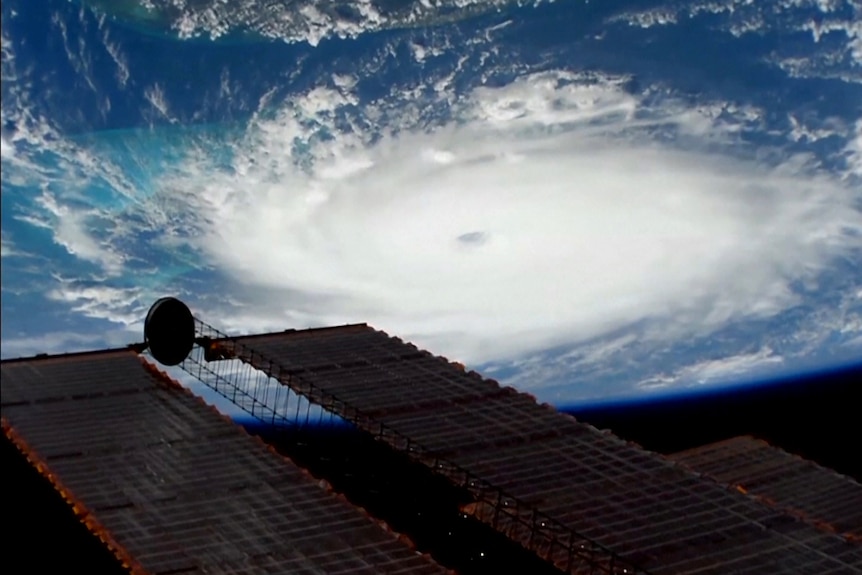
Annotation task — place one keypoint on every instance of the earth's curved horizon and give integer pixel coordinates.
(588, 201)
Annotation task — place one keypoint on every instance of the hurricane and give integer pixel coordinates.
(585, 200)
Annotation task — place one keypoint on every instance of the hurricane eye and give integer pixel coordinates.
(473, 238)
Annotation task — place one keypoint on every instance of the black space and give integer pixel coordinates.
(408, 496)
(41, 534)
(816, 416)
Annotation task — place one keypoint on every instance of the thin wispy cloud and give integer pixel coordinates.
(7, 247)
(124, 306)
(723, 369)
(62, 342)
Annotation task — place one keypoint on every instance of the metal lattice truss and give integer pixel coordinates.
(271, 393)
(584, 500)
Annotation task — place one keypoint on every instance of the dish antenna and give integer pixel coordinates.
(169, 331)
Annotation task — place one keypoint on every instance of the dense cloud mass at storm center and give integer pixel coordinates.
(547, 212)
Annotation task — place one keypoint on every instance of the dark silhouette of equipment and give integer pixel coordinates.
(169, 331)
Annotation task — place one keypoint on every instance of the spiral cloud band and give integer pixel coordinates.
(548, 211)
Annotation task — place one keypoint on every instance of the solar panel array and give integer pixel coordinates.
(829, 499)
(547, 467)
(172, 486)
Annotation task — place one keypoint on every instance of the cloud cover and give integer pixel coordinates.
(555, 209)
(589, 219)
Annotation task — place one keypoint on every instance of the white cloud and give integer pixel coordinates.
(118, 305)
(118, 56)
(155, 95)
(307, 22)
(587, 223)
(743, 17)
(597, 353)
(715, 370)
(7, 149)
(79, 188)
(7, 247)
(62, 342)
(70, 230)
(852, 325)
(854, 152)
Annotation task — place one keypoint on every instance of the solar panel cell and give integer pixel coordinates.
(596, 486)
(175, 486)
